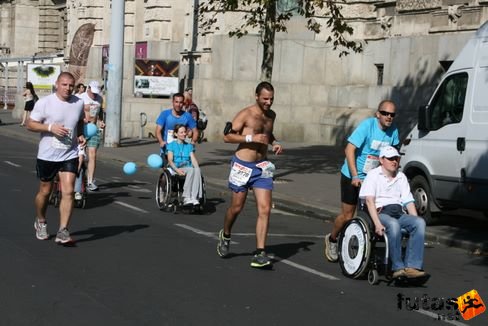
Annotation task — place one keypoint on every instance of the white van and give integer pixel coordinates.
(446, 154)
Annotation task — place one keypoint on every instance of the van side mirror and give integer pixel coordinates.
(424, 118)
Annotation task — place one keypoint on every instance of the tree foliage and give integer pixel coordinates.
(263, 16)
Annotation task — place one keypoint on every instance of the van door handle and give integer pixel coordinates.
(461, 144)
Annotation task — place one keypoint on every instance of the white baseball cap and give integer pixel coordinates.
(389, 151)
(94, 87)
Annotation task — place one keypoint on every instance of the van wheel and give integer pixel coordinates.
(421, 193)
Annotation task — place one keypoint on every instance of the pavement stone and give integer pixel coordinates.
(306, 181)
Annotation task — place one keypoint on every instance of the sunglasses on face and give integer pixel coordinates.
(394, 158)
(385, 113)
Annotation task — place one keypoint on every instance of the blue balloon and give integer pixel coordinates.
(130, 168)
(154, 161)
(90, 130)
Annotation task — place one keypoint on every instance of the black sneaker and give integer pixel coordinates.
(223, 245)
(260, 260)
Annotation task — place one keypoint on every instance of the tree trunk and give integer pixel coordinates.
(268, 38)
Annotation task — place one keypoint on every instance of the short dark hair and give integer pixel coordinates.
(178, 126)
(178, 95)
(264, 85)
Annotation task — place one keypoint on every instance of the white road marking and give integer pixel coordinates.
(279, 211)
(198, 231)
(435, 316)
(285, 261)
(317, 236)
(13, 164)
(130, 206)
(307, 269)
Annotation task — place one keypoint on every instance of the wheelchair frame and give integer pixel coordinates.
(55, 195)
(169, 192)
(358, 250)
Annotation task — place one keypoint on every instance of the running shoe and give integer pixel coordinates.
(260, 260)
(78, 196)
(92, 186)
(223, 245)
(330, 249)
(41, 230)
(63, 236)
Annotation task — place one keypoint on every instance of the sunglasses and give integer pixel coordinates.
(394, 158)
(385, 113)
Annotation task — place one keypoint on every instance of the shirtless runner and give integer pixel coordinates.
(252, 129)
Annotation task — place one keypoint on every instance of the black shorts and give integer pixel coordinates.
(349, 193)
(47, 170)
(29, 105)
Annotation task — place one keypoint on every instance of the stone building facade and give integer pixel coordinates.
(319, 96)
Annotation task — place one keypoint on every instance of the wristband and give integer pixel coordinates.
(248, 138)
(49, 127)
(356, 177)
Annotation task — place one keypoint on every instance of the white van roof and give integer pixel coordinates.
(475, 50)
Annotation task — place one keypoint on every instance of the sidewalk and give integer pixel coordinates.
(307, 181)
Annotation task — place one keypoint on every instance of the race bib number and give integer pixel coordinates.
(239, 174)
(371, 163)
(169, 136)
(267, 168)
(63, 142)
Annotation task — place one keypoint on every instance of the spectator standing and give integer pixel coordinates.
(30, 97)
(80, 89)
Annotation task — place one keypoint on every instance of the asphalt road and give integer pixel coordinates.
(135, 265)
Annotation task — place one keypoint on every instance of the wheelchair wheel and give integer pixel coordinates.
(355, 248)
(163, 189)
(373, 277)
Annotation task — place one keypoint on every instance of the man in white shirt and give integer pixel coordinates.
(387, 195)
(59, 119)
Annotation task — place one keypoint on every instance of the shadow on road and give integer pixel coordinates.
(100, 232)
(286, 250)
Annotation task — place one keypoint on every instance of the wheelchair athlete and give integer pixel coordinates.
(387, 192)
(182, 160)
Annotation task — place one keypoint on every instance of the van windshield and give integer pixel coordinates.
(447, 107)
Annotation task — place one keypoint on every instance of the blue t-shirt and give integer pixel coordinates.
(168, 122)
(368, 138)
(181, 153)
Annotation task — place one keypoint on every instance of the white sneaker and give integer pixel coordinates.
(187, 201)
(92, 186)
(195, 202)
(330, 249)
(78, 196)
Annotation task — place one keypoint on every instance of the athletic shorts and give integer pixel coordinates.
(47, 170)
(252, 173)
(349, 193)
(94, 141)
